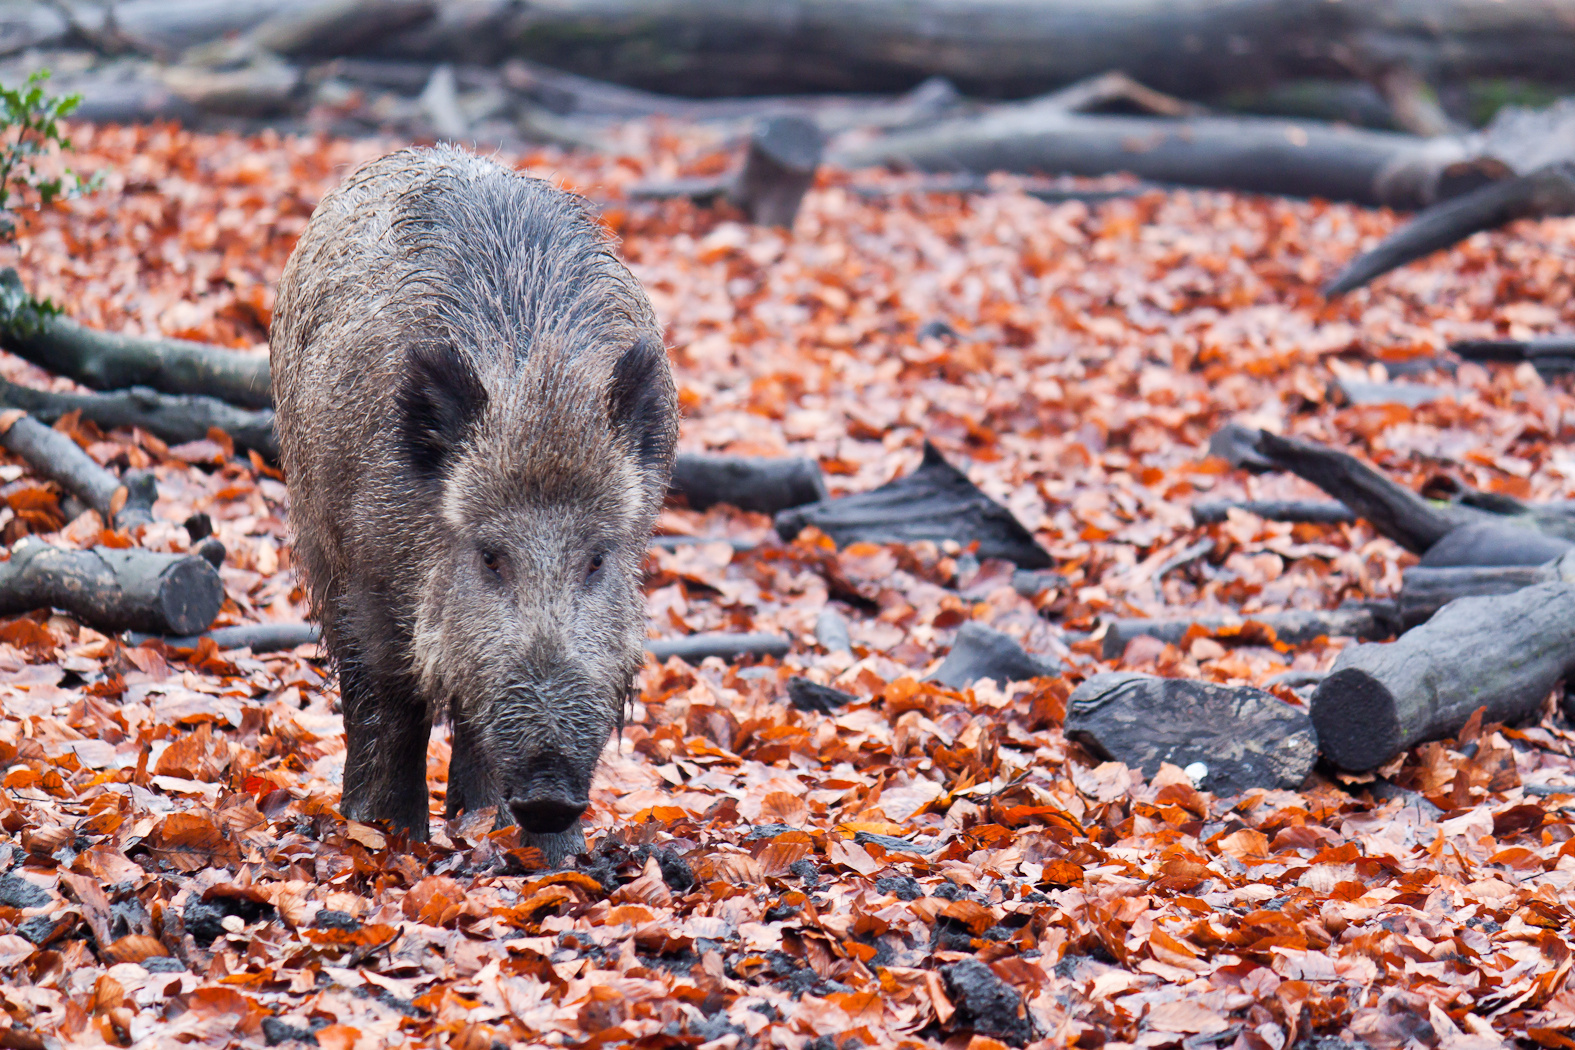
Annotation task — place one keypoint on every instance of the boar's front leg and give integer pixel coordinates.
(387, 725)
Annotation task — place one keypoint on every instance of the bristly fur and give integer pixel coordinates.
(477, 420)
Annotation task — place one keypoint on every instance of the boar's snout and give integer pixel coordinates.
(547, 804)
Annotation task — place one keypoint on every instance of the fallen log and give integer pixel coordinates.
(1242, 737)
(107, 361)
(983, 652)
(1548, 191)
(1041, 189)
(1502, 653)
(113, 590)
(1397, 512)
(1367, 621)
(1551, 356)
(937, 502)
(1426, 589)
(1490, 543)
(568, 95)
(1254, 154)
(999, 48)
(764, 485)
(336, 27)
(123, 503)
(173, 418)
(1411, 395)
(697, 647)
(258, 637)
(1319, 512)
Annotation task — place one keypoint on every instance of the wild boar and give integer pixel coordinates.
(477, 422)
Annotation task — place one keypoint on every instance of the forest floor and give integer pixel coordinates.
(923, 867)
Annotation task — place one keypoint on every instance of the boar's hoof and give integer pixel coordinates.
(547, 814)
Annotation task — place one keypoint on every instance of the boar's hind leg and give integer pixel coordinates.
(387, 726)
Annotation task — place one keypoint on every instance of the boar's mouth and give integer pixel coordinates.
(547, 804)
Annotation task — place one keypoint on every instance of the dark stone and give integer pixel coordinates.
(950, 891)
(986, 1004)
(328, 919)
(812, 696)
(949, 935)
(676, 872)
(1246, 737)
(212, 551)
(276, 1031)
(763, 485)
(981, 652)
(199, 527)
(17, 892)
(613, 863)
(781, 912)
(204, 919)
(163, 964)
(903, 887)
(41, 929)
(806, 870)
(937, 502)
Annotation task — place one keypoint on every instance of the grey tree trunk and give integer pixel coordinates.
(996, 47)
(108, 361)
(1254, 154)
(58, 458)
(1503, 653)
(174, 418)
(113, 590)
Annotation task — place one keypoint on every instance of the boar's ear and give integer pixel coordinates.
(640, 404)
(440, 398)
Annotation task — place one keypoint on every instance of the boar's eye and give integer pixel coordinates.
(493, 561)
(594, 564)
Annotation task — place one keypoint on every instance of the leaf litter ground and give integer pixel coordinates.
(922, 866)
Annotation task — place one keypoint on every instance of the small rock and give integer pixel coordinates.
(1244, 737)
(276, 1031)
(328, 919)
(903, 887)
(812, 696)
(1197, 772)
(986, 1005)
(17, 892)
(980, 652)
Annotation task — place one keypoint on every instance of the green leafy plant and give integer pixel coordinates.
(29, 130)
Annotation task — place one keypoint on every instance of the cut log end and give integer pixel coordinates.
(189, 591)
(1357, 720)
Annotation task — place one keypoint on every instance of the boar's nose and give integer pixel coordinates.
(546, 811)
